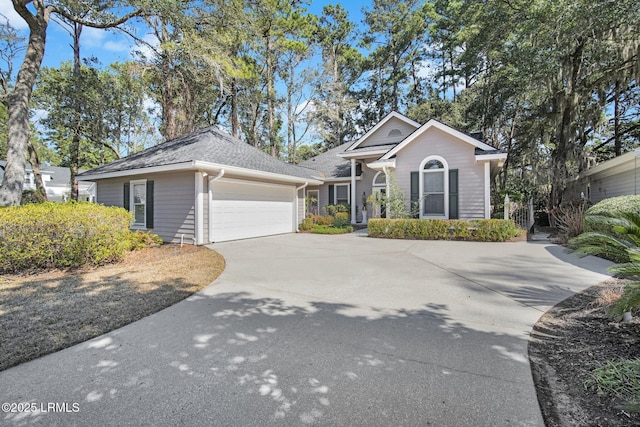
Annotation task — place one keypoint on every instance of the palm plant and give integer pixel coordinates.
(620, 244)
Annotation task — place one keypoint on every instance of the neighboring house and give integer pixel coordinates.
(56, 182)
(207, 186)
(442, 172)
(615, 177)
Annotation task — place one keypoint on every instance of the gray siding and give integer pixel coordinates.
(613, 185)
(381, 136)
(174, 199)
(459, 155)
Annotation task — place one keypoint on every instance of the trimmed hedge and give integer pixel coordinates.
(482, 230)
(321, 229)
(62, 235)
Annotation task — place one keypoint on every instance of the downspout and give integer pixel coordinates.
(296, 207)
(211, 180)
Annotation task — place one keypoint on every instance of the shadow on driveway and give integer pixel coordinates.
(232, 359)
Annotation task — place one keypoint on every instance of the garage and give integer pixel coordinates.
(242, 209)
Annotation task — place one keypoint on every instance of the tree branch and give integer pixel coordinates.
(103, 25)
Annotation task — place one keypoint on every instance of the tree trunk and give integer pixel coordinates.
(235, 119)
(35, 165)
(75, 140)
(18, 103)
(271, 95)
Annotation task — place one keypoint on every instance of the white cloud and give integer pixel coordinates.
(142, 50)
(117, 46)
(15, 20)
(93, 37)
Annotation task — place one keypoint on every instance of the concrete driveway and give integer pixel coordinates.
(322, 330)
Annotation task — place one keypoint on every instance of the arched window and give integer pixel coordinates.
(434, 187)
(380, 180)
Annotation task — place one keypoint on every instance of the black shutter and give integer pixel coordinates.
(415, 194)
(331, 199)
(149, 218)
(453, 194)
(126, 201)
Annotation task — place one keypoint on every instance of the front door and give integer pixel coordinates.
(380, 194)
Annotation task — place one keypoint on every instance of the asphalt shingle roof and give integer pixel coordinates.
(330, 164)
(207, 145)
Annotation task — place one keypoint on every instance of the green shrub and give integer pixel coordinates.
(492, 230)
(332, 210)
(60, 235)
(141, 239)
(321, 229)
(495, 230)
(307, 224)
(324, 220)
(341, 220)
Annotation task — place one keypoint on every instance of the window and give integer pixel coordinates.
(139, 202)
(313, 196)
(380, 180)
(341, 194)
(434, 189)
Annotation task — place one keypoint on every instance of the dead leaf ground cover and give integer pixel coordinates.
(46, 312)
(567, 344)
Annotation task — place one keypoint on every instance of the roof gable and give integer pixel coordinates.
(393, 135)
(434, 124)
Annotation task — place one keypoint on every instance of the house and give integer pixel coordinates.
(207, 186)
(615, 177)
(56, 182)
(442, 172)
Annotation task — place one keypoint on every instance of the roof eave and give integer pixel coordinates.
(205, 167)
(174, 167)
(362, 154)
(444, 128)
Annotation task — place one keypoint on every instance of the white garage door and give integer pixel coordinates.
(240, 210)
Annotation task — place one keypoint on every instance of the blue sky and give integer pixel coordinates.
(112, 46)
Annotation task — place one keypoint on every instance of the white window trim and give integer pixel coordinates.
(446, 187)
(335, 193)
(132, 208)
(375, 178)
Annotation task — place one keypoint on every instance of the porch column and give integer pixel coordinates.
(353, 191)
(487, 189)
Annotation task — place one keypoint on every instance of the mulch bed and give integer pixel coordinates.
(566, 344)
